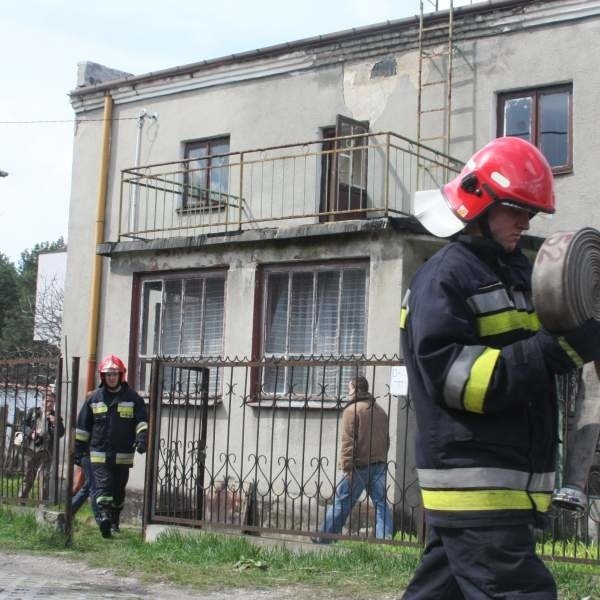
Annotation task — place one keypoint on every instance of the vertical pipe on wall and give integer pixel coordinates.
(99, 238)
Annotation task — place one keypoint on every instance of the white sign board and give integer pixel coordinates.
(398, 381)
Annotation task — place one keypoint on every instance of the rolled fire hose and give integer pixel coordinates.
(581, 448)
(566, 292)
(566, 279)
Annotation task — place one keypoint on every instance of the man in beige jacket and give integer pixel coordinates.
(363, 459)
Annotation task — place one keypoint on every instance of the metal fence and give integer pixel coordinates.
(238, 455)
(32, 457)
(228, 451)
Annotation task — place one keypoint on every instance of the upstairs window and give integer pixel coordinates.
(543, 117)
(206, 173)
(318, 310)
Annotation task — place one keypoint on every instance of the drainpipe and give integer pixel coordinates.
(99, 238)
(133, 200)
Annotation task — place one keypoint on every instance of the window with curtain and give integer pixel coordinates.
(543, 117)
(319, 311)
(181, 316)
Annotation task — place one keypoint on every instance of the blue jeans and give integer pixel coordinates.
(87, 489)
(347, 493)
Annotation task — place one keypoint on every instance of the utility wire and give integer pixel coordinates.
(67, 121)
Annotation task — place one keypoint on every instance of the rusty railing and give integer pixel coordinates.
(352, 177)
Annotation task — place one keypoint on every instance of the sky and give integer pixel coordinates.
(41, 42)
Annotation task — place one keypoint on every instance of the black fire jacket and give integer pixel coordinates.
(110, 424)
(482, 387)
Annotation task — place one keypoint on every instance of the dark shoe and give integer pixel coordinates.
(105, 527)
(321, 541)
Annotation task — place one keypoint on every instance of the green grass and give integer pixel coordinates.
(351, 570)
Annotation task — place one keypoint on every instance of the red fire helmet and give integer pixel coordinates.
(112, 363)
(507, 170)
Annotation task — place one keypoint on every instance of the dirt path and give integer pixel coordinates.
(36, 576)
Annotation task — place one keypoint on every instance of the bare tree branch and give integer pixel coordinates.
(48, 311)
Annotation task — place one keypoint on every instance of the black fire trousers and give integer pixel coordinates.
(481, 563)
(111, 481)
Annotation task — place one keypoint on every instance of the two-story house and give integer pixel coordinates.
(258, 206)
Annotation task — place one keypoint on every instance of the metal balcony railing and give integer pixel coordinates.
(352, 177)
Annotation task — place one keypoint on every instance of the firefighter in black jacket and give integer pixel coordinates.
(112, 423)
(481, 376)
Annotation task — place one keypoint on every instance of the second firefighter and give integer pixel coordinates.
(112, 424)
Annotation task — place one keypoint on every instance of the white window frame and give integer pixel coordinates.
(215, 392)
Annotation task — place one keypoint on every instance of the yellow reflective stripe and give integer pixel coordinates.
(98, 407)
(570, 351)
(507, 321)
(97, 457)
(141, 426)
(81, 435)
(403, 315)
(479, 380)
(458, 500)
(122, 458)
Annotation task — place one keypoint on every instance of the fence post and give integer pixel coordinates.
(387, 173)
(241, 191)
(71, 449)
(152, 447)
(54, 487)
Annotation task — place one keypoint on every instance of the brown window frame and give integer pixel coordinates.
(342, 199)
(207, 202)
(536, 93)
(275, 398)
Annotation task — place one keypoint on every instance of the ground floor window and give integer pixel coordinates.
(180, 315)
(313, 311)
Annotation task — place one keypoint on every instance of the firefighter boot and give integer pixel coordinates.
(105, 523)
(116, 517)
(570, 498)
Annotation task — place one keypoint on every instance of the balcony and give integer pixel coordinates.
(361, 176)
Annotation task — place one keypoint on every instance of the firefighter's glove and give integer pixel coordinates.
(77, 459)
(585, 340)
(140, 447)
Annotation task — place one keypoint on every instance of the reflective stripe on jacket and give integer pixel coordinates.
(484, 398)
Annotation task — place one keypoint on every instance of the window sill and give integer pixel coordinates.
(328, 405)
(192, 403)
(562, 171)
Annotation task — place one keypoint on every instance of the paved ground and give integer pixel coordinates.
(37, 577)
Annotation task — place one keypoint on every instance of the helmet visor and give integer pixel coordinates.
(434, 213)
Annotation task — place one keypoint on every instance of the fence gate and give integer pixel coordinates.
(175, 469)
(254, 446)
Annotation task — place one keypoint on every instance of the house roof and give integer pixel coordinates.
(492, 17)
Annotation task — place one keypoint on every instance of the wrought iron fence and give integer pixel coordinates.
(259, 460)
(350, 177)
(32, 430)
